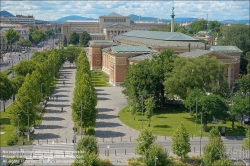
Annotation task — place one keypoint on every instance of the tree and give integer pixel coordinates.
(11, 36)
(65, 42)
(188, 73)
(6, 88)
(180, 142)
(144, 141)
(17, 82)
(49, 33)
(197, 26)
(214, 149)
(25, 43)
(192, 99)
(153, 152)
(37, 36)
(149, 106)
(25, 67)
(87, 145)
(246, 141)
(84, 38)
(146, 78)
(212, 106)
(74, 38)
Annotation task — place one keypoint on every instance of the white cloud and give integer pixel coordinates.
(53, 10)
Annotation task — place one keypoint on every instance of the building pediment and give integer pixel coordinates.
(120, 26)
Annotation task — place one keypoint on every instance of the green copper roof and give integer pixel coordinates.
(130, 49)
(225, 48)
(168, 36)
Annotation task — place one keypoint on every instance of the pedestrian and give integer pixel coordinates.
(56, 97)
(62, 109)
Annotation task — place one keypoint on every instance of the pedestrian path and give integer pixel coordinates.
(57, 124)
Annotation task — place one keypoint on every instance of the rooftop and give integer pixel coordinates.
(102, 42)
(82, 21)
(142, 57)
(139, 49)
(225, 49)
(167, 36)
(195, 53)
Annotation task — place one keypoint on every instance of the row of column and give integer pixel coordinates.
(112, 34)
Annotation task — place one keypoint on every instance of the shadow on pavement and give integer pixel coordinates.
(46, 136)
(102, 98)
(50, 127)
(53, 118)
(99, 90)
(102, 93)
(57, 105)
(107, 124)
(108, 134)
(104, 110)
(105, 116)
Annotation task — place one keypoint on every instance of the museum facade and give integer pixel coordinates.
(107, 27)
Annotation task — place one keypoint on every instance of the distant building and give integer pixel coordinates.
(24, 35)
(18, 19)
(108, 26)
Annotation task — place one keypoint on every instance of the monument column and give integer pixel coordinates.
(172, 20)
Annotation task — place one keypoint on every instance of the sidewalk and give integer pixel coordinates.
(58, 124)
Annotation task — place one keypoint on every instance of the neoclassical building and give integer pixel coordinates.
(107, 27)
(114, 56)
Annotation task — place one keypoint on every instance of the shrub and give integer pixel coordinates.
(91, 131)
(15, 161)
(13, 138)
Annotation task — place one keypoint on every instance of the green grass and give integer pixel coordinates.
(99, 78)
(5, 126)
(165, 121)
(8, 128)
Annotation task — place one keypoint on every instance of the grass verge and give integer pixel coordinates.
(8, 71)
(166, 120)
(99, 78)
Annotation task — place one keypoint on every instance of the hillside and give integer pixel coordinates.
(73, 17)
(6, 14)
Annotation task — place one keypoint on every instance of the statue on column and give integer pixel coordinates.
(172, 10)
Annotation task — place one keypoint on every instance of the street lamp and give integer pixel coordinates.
(156, 158)
(18, 132)
(196, 115)
(201, 134)
(28, 119)
(41, 91)
(142, 111)
(81, 121)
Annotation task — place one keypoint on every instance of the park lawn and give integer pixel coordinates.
(5, 126)
(165, 121)
(99, 79)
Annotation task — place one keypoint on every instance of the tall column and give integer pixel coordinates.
(229, 75)
(172, 20)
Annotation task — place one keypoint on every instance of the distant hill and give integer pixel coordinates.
(235, 21)
(73, 17)
(179, 20)
(5, 13)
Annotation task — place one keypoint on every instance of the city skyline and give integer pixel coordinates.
(54, 10)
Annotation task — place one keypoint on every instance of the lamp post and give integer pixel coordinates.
(81, 121)
(142, 111)
(41, 91)
(196, 115)
(18, 132)
(156, 158)
(49, 84)
(28, 119)
(201, 134)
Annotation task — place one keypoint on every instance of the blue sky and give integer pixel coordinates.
(53, 10)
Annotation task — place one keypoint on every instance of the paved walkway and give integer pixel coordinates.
(57, 125)
(108, 126)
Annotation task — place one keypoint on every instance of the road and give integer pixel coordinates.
(117, 152)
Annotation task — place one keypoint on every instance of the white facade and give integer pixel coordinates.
(24, 35)
(19, 19)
